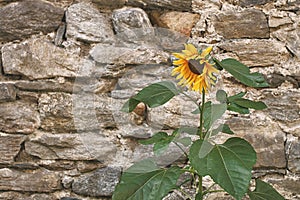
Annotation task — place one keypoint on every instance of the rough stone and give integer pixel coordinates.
(99, 183)
(34, 181)
(63, 112)
(132, 24)
(83, 146)
(181, 22)
(38, 59)
(18, 117)
(233, 24)
(257, 52)
(21, 19)
(248, 3)
(10, 146)
(265, 136)
(284, 107)
(87, 24)
(293, 153)
(109, 4)
(102, 53)
(7, 92)
(165, 4)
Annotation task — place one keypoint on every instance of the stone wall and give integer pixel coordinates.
(68, 66)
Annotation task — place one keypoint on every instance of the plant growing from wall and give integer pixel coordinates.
(228, 164)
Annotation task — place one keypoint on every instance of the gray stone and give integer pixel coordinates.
(233, 24)
(284, 107)
(102, 53)
(99, 183)
(257, 52)
(293, 153)
(7, 92)
(19, 117)
(22, 19)
(39, 59)
(33, 181)
(164, 4)
(10, 146)
(63, 112)
(132, 24)
(109, 4)
(265, 136)
(83, 146)
(86, 23)
(248, 3)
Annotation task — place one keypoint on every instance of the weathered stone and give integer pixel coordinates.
(164, 4)
(84, 146)
(287, 185)
(34, 181)
(63, 112)
(99, 183)
(284, 107)
(9, 147)
(109, 4)
(7, 92)
(173, 114)
(293, 153)
(265, 136)
(279, 19)
(86, 23)
(232, 24)
(181, 22)
(18, 117)
(102, 53)
(257, 52)
(248, 3)
(22, 19)
(132, 24)
(38, 58)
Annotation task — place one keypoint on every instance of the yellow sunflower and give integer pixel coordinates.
(194, 69)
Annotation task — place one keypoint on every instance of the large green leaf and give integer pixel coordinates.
(242, 73)
(213, 112)
(151, 183)
(264, 191)
(228, 164)
(153, 95)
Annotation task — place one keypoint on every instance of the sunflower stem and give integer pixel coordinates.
(200, 192)
(201, 133)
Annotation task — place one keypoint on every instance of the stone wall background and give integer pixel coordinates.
(68, 66)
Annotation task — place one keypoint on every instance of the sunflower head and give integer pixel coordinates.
(195, 69)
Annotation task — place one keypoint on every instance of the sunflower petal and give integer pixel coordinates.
(206, 51)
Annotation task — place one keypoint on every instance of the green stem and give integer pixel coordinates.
(200, 192)
(181, 149)
(201, 115)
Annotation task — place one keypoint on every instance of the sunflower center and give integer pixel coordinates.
(195, 66)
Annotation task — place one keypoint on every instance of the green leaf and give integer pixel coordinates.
(144, 166)
(218, 64)
(257, 105)
(150, 185)
(228, 164)
(189, 130)
(236, 108)
(155, 138)
(213, 112)
(264, 191)
(153, 95)
(196, 111)
(242, 73)
(221, 96)
(237, 96)
(186, 141)
(224, 128)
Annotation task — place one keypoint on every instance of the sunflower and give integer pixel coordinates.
(194, 69)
